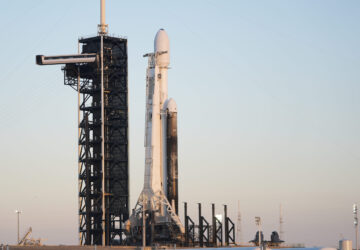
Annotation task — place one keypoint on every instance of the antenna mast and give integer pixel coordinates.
(102, 27)
(102, 30)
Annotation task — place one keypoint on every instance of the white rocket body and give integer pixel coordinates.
(156, 110)
(154, 194)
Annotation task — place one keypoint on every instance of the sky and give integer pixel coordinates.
(268, 102)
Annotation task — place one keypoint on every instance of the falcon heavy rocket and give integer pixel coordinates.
(156, 211)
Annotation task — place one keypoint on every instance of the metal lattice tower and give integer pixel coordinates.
(103, 162)
(99, 74)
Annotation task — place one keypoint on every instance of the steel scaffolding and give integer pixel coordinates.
(103, 197)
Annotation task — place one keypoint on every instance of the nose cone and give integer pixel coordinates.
(170, 105)
(162, 44)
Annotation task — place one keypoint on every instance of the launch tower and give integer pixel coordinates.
(99, 74)
(100, 194)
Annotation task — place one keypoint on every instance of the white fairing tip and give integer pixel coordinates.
(171, 106)
(162, 44)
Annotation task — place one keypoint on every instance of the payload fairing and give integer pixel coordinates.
(158, 201)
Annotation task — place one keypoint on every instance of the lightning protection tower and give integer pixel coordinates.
(281, 223)
(238, 228)
(99, 74)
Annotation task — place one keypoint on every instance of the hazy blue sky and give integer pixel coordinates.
(268, 99)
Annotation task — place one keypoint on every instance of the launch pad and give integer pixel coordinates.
(99, 74)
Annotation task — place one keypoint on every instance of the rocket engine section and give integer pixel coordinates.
(172, 155)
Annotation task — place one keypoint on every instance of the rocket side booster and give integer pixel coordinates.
(172, 155)
(159, 197)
